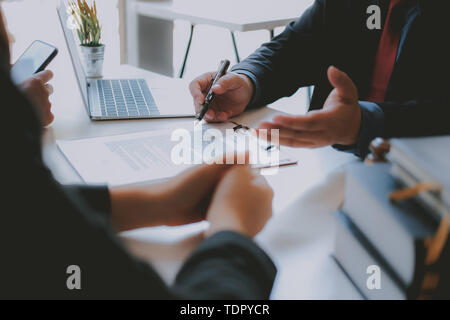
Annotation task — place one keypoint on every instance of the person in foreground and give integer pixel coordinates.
(47, 227)
(380, 69)
(37, 87)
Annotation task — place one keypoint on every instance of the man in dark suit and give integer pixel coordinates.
(369, 82)
(49, 232)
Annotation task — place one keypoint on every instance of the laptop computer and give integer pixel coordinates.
(114, 99)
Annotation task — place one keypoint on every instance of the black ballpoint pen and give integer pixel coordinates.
(224, 65)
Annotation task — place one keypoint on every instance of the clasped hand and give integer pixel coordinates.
(230, 197)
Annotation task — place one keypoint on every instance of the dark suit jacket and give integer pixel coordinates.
(44, 228)
(334, 32)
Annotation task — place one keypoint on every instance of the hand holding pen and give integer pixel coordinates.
(223, 67)
(232, 93)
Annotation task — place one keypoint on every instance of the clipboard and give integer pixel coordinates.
(271, 150)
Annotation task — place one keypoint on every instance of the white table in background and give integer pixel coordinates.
(234, 15)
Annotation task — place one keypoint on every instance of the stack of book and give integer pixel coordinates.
(398, 249)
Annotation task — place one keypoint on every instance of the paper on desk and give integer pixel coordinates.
(145, 156)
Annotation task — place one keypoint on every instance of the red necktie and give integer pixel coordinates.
(386, 56)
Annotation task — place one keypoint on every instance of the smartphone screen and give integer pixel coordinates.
(34, 59)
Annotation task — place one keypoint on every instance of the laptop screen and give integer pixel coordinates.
(73, 49)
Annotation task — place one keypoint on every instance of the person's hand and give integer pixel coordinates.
(242, 203)
(186, 198)
(38, 90)
(233, 94)
(339, 121)
(181, 200)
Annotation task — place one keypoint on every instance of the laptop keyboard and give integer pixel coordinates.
(126, 98)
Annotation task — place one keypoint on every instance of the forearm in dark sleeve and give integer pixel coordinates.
(291, 60)
(400, 119)
(58, 229)
(227, 266)
(97, 197)
(416, 118)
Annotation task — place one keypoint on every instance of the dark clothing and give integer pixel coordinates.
(335, 32)
(45, 228)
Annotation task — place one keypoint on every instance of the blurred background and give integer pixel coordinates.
(36, 19)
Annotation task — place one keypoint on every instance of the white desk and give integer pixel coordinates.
(234, 15)
(300, 236)
(299, 239)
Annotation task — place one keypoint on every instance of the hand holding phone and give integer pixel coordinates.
(38, 91)
(35, 59)
(29, 74)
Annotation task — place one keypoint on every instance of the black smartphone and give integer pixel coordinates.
(35, 59)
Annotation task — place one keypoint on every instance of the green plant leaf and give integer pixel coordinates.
(88, 27)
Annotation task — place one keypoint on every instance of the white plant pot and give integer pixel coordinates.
(93, 60)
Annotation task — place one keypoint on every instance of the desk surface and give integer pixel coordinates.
(300, 236)
(250, 15)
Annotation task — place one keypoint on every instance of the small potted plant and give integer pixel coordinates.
(89, 32)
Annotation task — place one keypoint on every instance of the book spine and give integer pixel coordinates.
(355, 256)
